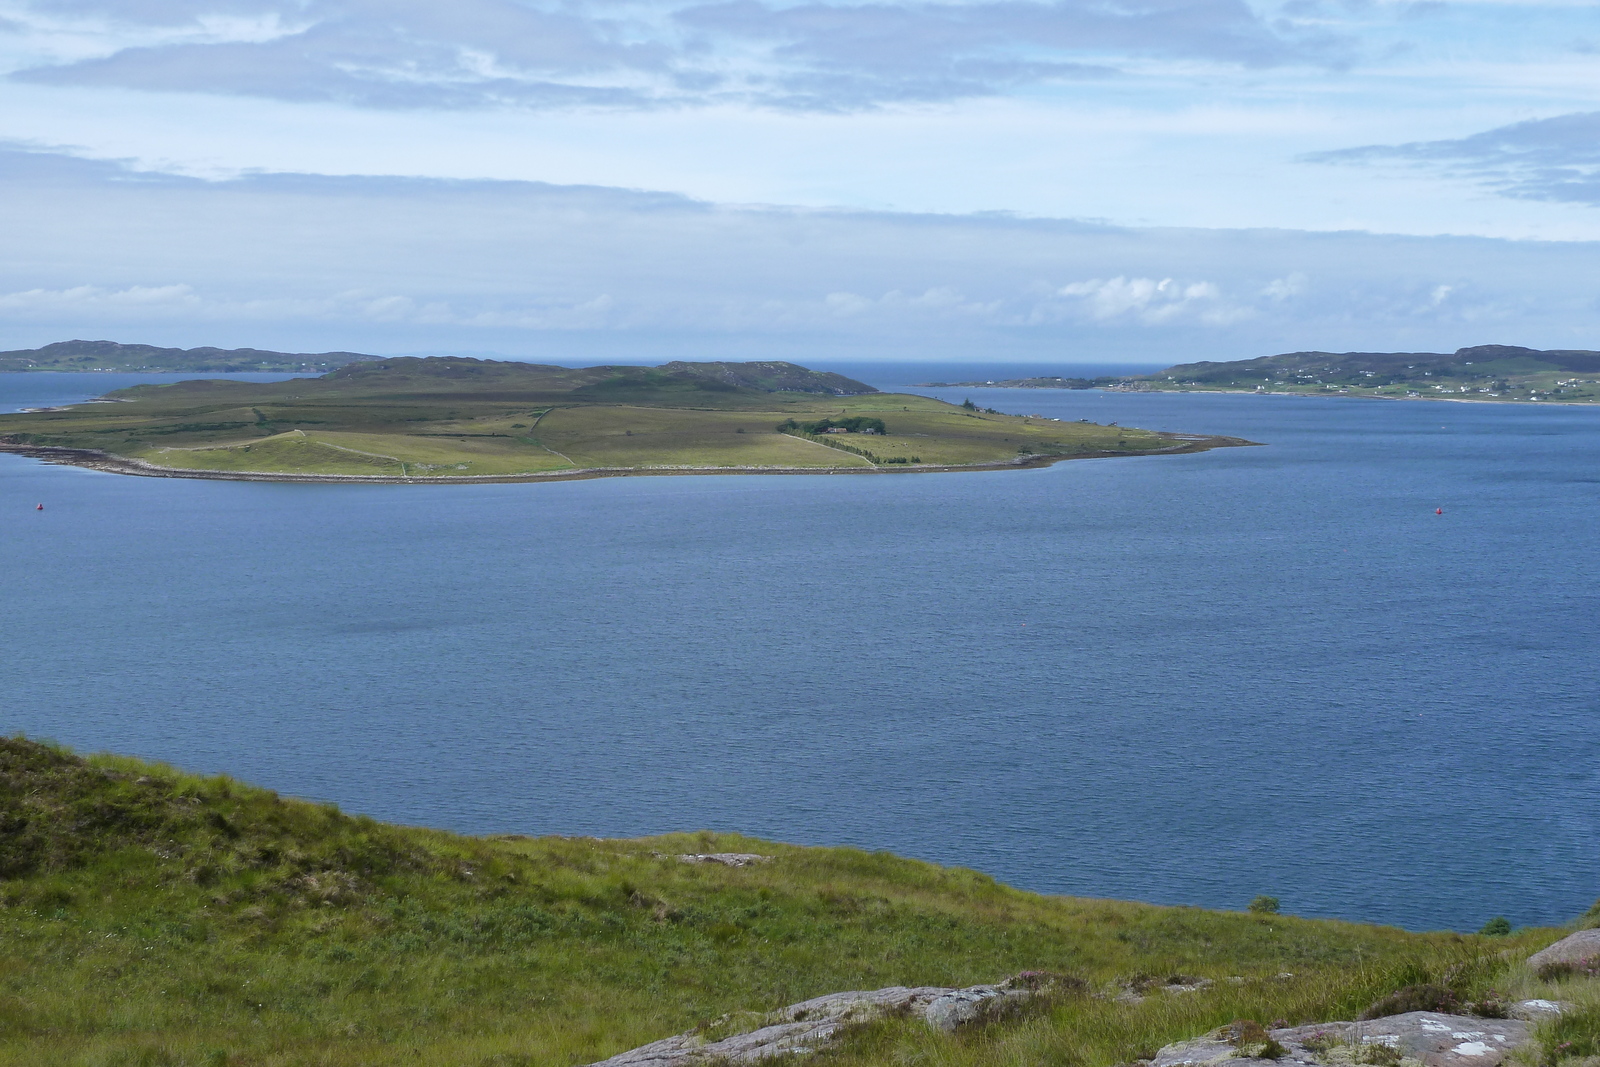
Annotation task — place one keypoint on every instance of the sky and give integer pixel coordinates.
(1060, 181)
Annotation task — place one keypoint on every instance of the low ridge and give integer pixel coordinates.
(114, 356)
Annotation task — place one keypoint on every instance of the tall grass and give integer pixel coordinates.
(153, 917)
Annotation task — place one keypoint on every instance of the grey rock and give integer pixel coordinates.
(812, 1024)
(1582, 945)
(863, 1005)
(687, 1049)
(727, 859)
(1136, 992)
(1423, 1039)
(1193, 985)
(981, 1003)
(1536, 1010)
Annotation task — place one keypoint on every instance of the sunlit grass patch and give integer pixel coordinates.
(294, 451)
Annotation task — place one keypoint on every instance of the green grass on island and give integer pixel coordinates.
(152, 918)
(442, 418)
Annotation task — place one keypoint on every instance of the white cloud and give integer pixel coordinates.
(499, 53)
(157, 299)
(1148, 299)
(313, 263)
(1285, 288)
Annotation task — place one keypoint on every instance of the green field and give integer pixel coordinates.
(432, 419)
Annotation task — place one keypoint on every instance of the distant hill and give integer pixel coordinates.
(113, 356)
(772, 377)
(760, 377)
(612, 384)
(1503, 372)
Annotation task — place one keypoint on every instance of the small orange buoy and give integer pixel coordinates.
(1438, 511)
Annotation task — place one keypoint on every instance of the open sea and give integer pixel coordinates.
(1181, 679)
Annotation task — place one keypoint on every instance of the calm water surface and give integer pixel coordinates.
(1185, 679)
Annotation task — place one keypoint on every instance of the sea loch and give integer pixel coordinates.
(1185, 679)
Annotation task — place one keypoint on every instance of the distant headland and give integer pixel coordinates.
(114, 356)
(1494, 373)
(442, 419)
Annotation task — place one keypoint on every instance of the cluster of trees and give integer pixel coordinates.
(854, 424)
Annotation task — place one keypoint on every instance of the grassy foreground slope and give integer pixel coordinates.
(432, 419)
(150, 917)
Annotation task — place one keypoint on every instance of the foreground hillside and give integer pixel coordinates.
(440, 419)
(152, 917)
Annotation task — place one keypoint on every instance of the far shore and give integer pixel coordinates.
(1348, 396)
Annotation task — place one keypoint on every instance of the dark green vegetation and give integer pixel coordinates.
(447, 418)
(1574, 1038)
(1485, 372)
(150, 917)
(858, 424)
(111, 356)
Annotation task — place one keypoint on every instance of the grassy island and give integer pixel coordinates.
(437, 419)
(153, 917)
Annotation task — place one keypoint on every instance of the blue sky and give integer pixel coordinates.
(1063, 181)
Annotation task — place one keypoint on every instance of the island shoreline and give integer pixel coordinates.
(93, 459)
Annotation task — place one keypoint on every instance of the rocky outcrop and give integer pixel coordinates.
(813, 1024)
(1572, 949)
(1407, 1039)
(1415, 1039)
(727, 859)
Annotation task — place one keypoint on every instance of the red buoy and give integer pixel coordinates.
(38, 507)
(1438, 511)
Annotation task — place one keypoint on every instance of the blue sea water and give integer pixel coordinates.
(1183, 679)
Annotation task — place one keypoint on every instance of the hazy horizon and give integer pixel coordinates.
(1005, 180)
